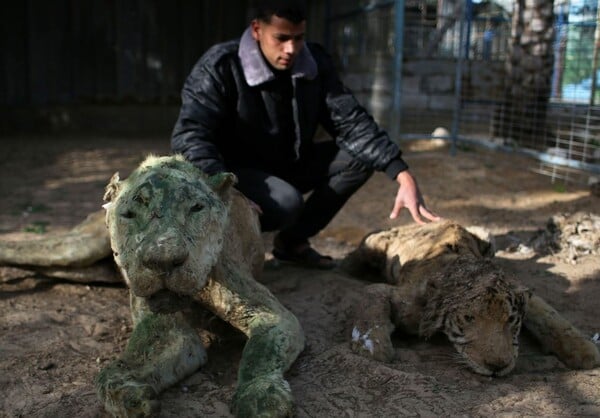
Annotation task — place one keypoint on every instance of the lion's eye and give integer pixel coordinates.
(455, 335)
(469, 318)
(128, 214)
(197, 207)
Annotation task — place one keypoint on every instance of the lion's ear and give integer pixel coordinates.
(113, 188)
(222, 182)
(486, 244)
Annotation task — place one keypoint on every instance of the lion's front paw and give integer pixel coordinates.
(373, 342)
(583, 354)
(123, 396)
(264, 396)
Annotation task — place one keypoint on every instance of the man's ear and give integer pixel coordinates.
(255, 29)
(221, 183)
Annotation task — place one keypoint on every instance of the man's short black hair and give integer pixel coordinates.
(292, 10)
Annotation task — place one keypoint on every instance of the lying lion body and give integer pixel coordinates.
(182, 239)
(182, 242)
(81, 254)
(178, 235)
(439, 278)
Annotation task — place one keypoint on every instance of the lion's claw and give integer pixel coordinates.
(124, 396)
(264, 396)
(373, 342)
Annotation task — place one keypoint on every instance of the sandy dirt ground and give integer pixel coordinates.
(56, 335)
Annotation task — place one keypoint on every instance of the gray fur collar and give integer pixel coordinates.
(256, 69)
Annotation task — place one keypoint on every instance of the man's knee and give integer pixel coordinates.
(284, 209)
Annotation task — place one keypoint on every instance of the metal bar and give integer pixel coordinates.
(327, 29)
(560, 48)
(595, 56)
(458, 83)
(469, 17)
(398, 54)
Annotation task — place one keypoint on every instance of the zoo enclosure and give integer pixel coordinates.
(472, 66)
(514, 75)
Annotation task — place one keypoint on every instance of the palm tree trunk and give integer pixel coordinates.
(522, 115)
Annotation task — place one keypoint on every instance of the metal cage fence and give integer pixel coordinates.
(473, 68)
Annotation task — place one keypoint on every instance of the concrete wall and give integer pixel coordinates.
(427, 84)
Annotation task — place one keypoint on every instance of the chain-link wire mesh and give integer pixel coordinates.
(507, 74)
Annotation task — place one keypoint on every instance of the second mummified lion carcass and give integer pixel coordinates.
(439, 278)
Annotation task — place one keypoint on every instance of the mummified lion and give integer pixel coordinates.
(440, 278)
(175, 235)
(183, 240)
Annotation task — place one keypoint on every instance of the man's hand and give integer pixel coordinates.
(409, 197)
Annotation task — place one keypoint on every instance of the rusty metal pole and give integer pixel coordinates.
(398, 56)
(595, 56)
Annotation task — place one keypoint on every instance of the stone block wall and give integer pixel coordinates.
(427, 84)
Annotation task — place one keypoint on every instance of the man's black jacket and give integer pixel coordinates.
(229, 113)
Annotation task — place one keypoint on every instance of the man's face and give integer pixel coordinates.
(280, 40)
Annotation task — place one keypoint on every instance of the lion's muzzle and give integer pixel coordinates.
(165, 252)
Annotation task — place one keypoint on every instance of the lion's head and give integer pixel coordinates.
(166, 223)
(480, 311)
